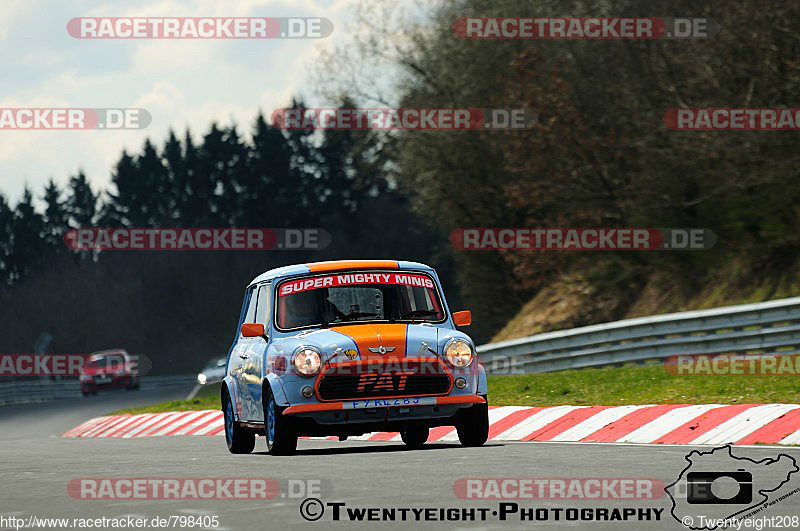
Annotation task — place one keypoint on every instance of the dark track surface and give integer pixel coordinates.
(36, 464)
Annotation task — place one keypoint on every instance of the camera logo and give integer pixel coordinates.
(717, 486)
(700, 487)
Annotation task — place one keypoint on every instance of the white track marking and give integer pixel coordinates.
(743, 424)
(793, 438)
(213, 426)
(142, 428)
(112, 428)
(535, 422)
(197, 421)
(103, 425)
(168, 427)
(596, 422)
(657, 428)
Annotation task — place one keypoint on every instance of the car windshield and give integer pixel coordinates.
(105, 362)
(357, 297)
(215, 363)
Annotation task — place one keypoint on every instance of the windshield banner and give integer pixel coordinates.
(352, 279)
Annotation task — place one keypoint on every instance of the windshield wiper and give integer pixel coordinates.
(355, 315)
(419, 313)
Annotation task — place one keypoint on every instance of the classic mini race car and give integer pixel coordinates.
(347, 348)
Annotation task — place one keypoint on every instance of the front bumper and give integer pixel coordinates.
(117, 380)
(384, 403)
(337, 418)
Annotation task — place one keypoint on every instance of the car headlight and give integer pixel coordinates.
(458, 353)
(307, 361)
(201, 378)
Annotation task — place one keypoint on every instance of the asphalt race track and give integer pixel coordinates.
(43, 419)
(37, 464)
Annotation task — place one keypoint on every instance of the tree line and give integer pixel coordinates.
(180, 308)
(600, 154)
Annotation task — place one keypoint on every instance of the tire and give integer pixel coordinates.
(85, 393)
(239, 440)
(278, 428)
(414, 436)
(473, 425)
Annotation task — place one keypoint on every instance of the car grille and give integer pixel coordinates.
(354, 382)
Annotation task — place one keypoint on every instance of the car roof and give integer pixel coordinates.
(336, 265)
(111, 352)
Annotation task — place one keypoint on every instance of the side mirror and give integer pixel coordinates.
(462, 318)
(252, 330)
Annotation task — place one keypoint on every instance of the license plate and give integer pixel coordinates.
(103, 379)
(389, 402)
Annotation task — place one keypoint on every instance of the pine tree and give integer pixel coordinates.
(6, 221)
(55, 218)
(81, 202)
(124, 208)
(27, 228)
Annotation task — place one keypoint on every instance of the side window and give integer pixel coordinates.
(263, 305)
(249, 316)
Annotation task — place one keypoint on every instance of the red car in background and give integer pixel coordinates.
(109, 369)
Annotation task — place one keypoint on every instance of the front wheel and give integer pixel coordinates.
(280, 433)
(240, 440)
(473, 424)
(414, 436)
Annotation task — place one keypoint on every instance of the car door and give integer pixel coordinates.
(240, 357)
(255, 369)
(251, 356)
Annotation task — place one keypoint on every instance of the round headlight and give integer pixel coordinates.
(307, 361)
(458, 353)
(201, 378)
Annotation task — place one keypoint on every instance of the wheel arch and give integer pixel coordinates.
(228, 387)
(276, 387)
(483, 384)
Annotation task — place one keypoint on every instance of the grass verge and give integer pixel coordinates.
(638, 385)
(206, 398)
(595, 387)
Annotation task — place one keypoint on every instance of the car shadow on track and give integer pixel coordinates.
(377, 448)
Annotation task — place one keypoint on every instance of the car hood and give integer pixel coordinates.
(373, 341)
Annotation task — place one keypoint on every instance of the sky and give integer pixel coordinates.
(181, 83)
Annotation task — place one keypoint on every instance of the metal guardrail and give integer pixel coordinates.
(24, 392)
(766, 327)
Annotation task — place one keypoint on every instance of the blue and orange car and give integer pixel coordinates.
(346, 348)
